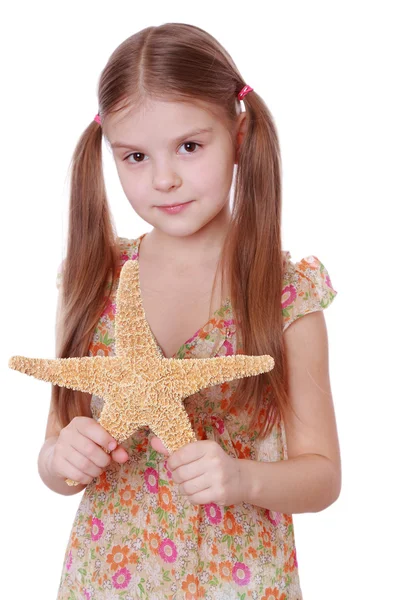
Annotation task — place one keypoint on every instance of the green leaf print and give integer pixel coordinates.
(286, 311)
(242, 596)
(161, 514)
(72, 596)
(92, 554)
(151, 464)
(165, 575)
(162, 482)
(141, 588)
(153, 455)
(108, 340)
(213, 581)
(83, 571)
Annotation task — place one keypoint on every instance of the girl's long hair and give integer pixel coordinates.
(181, 62)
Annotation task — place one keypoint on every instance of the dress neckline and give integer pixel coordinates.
(214, 316)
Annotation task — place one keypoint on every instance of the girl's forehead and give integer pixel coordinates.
(169, 113)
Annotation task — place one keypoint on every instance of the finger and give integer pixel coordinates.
(91, 451)
(71, 472)
(94, 431)
(83, 464)
(120, 455)
(157, 445)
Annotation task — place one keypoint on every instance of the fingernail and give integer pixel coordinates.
(112, 445)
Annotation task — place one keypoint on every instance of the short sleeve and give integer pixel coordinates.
(307, 288)
(59, 274)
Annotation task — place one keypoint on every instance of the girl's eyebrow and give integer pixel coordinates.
(181, 137)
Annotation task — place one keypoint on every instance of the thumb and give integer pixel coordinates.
(119, 454)
(157, 445)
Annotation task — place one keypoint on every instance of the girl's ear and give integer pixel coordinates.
(241, 130)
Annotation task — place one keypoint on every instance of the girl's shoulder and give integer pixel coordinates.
(127, 250)
(307, 287)
(128, 247)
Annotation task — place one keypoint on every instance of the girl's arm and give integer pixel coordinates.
(310, 480)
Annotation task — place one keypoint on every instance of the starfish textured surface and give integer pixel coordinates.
(141, 387)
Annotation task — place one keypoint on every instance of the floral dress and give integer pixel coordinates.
(133, 535)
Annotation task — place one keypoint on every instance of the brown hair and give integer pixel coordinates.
(181, 62)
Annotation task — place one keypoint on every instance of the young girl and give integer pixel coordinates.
(213, 519)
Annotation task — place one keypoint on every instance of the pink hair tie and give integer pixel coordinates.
(98, 119)
(244, 91)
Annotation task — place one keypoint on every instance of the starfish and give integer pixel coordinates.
(140, 386)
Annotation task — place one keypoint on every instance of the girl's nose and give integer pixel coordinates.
(166, 178)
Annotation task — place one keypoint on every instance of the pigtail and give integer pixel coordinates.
(90, 264)
(253, 250)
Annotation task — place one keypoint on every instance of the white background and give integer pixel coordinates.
(329, 73)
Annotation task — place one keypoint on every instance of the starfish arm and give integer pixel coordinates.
(133, 336)
(87, 374)
(191, 375)
(173, 427)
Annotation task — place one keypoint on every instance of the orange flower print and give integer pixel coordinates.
(126, 495)
(165, 499)
(273, 594)
(243, 451)
(134, 509)
(212, 567)
(102, 483)
(291, 564)
(230, 525)
(225, 570)
(190, 586)
(118, 557)
(154, 542)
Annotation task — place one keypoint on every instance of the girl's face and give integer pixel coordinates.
(163, 159)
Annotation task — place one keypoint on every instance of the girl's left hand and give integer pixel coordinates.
(205, 472)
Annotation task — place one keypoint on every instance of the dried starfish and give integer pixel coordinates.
(141, 387)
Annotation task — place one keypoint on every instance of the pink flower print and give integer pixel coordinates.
(134, 256)
(192, 338)
(69, 561)
(241, 573)
(124, 257)
(167, 550)
(87, 594)
(290, 290)
(228, 348)
(121, 578)
(213, 512)
(166, 468)
(151, 479)
(329, 282)
(274, 517)
(228, 322)
(296, 564)
(97, 529)
(219, 424)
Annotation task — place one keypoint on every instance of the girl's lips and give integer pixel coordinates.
(174, 209)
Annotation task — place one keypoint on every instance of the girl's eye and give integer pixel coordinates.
(139, 154)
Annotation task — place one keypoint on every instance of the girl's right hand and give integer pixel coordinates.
(78, 453)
